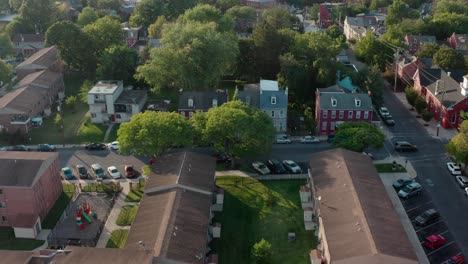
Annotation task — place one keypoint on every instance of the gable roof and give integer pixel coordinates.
(202, 100)
(419, 39)
(361, 222)
(20, 169)
(42, 79)
(44, 57)
(449, 86)
(89, 255)
(28, 38)
(345, 101)
(250, 95)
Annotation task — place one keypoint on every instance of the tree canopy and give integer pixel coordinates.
(372, 51)
(104, 33)
(6, 46)
(448, 58)
(87, 16)
(357, 136)
(151, 132)
(6, 72)
(40, 14)
(458, 145)
(147, 11)
(428, 50)
(155, 29)
(117, 63)
(206, 14)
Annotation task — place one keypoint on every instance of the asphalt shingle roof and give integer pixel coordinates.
(201, 100)
(344, 101)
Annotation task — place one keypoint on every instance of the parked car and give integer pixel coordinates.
(284, 139)
(292, 166)
(275, 166)
(410, 190)
(20, 148)
(388, 120)
(129, 171)
(95, 146)
(46, 148)
(434, 241)
(309, 140)
(113, 172)
(331, 138)
(81, 171)
(466, 191)
(383, 111)
(67, 173)
(401, 183)
(427, 217)
(457, 259)
(113, 146)
(97, 171)
(222, 157)
(405, 146)
(454, 168)
(462, 181)
(260, 168)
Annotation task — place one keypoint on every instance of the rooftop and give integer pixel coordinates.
(202, 100)
(20, 169)
(360, 224)
(44, 57)
(250, 95)
(268, 85)
(131, 97)
(447, 85)
(89, 255)
(105, 87)
(344, 101)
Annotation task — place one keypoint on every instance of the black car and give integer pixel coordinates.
(82, 171)
(429, 216)
(401, 183)
(275, 166)
(388, 120)
(20, 148)
(95, 146)
(405, 146)
(46, 148)
(222, 157)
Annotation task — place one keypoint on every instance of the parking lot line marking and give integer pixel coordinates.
(443, 232)
(440, 248)
(418, 206)
(427, 226)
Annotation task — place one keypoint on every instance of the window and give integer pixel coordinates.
(454, 118)
(93, 115)
(182, 113)
(118, 116)
(333, 114)
(215, 102)
(4, 219)
(332, 126)
(358, 114)
(190, 102)
(366, 114)
(272, 113)
(350, 114)
(358, 102)
(2, 205)
(96, 96)
(334, 102)
(324, 125)
(341, 116)
(273, 100)
(325, 114)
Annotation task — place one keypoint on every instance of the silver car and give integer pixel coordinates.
(260, 168)
(292, 166)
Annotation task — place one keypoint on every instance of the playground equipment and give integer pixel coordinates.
(84, 211)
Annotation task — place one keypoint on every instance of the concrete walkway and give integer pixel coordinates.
(109, 129)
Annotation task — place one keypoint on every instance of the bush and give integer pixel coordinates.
(426, 115)
(261, 251)
(411, 95)
(420, 104)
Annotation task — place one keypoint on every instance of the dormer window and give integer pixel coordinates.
(358, 102)
(215, 102)
(334, 102)
(273, 100)
(190, 102)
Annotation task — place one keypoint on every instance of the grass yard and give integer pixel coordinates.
(254, 210)
(89, 132)
(9, 242)
(388, 168)
(136, 193)
(113, 133)
(126, 215)
(56, 212)
(117, 239)
(101, 188)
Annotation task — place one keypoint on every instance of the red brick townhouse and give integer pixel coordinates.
(443, 92)
(30, 183)
(334, 108)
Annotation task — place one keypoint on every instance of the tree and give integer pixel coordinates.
(84, 89)
(261, 251)
(242, 14)
(458, 145)
(398, 11)
(370, 80)
(246, 67)
(6, 46)
(105, 32)
(6, 73)
(420, 104)
(427, 50)
(394, 35)
(71, 101)
(314, 12)
(206, 14)
(15, 4)
(147, 11)
(444, 24)
(279, 18)
(448, 58)
(19, 25)
(233, 128)
(41, 14)
(4, 5)
(411, 95)
(155, 29)
(375, 4)
(117, 63)
(194, 56)
(58, 121)
(109, 4)
(151, 132)
(372, 51)
(87, 16)
(357, 136)
(427, 115)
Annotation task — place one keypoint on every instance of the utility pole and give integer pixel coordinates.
(397, 57)
(441, 107)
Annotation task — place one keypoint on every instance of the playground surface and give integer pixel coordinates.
(76, 228)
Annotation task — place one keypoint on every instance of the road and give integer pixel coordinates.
(430, 165)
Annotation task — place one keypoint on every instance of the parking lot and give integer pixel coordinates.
(415, 206)
(72, 157)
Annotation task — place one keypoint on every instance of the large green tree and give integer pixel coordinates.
(372, 51)
(194, 56)
(448, 58)
(458, 145)
(279, 18)
(242, 14)
(6, 72)
(428, 50)
(4, 5)
(151, 132)
(147, 12)
(234, 129)
(117, 63)
(155, 29)
(398, 11)
(87, 16)
(370, 80)
(206, 14)
(357, 136)
(105, 32)
(39, 13)
(15, 4)
(109, 4)
(6, 46)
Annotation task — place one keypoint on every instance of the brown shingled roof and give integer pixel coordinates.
(28, 38)
(15, 256)
(358, 217)
(44, 57)
(41, 78)
(87, 255)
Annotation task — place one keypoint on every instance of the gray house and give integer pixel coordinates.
(269, 98)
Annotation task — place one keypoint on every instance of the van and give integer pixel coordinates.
(97, 170)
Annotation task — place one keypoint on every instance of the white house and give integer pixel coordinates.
(110, 102)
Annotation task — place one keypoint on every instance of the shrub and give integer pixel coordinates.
(420, 104)
(426, 115)
(261, 251)
(411, 95)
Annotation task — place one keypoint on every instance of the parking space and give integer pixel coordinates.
(414, 207)
(70, 158)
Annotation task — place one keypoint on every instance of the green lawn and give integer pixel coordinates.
(135, 194)
(126, 215)
(101, 188)
(388, 168)
(59, 206)
(89, 132)
(254, 210)
(117, 239)
(113, 133)
(8, 241)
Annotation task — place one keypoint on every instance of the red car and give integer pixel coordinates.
(457, 259)
(129, 171)
(433, 241)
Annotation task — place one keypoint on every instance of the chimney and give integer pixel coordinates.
(437, 88)
(464, 85)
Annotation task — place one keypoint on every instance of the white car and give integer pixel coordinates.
(309, 139)
(454, 168)
(113, 146)
(283, 140)
(113, 172)
(383, 111)
(260, 168)
(292, 166)
(466, 191)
